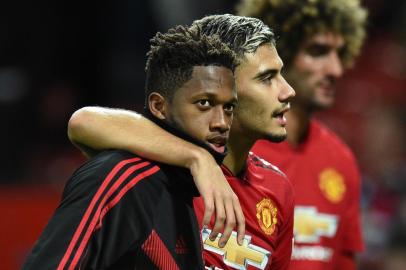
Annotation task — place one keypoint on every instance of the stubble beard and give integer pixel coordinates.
(276, 138)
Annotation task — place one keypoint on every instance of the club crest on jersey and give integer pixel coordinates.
(332, 185)
(266, 215)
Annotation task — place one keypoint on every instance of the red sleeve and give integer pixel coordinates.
(282, 255)
(352, 241)
(346, 260)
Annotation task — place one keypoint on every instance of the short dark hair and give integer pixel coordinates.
(294, 20)
(241, 34)
(173, 55)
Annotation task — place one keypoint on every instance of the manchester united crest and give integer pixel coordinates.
(266, 215)
(332, 185)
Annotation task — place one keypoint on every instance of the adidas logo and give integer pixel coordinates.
(181, 247)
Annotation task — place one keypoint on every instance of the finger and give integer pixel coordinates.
(220, 218)
(208, 209)
(240, 219)
(230, 222)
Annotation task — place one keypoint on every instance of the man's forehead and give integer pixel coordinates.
(325, 38)
(211, 73)
(264, 58)
(208, 70)
(207, 80)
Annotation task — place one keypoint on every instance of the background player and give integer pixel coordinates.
(120, 211)
(264, 192)
(318, 41)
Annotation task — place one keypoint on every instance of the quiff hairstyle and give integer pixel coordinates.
(173, 55)
(242, 34)
(295, 20)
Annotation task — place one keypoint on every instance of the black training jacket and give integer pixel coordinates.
(120, 211)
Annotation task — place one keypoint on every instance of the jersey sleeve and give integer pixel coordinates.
(283, 252)
(352, 241)
(90, 216)
(347, 261)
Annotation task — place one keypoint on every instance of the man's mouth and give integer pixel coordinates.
(218, 143)
(280, 115)
(328, 87)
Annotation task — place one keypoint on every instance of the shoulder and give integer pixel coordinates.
(269, 175)
(109, 167)
(327, 138)
(337, 154)
(111, 161)
(274, 181)
(264, 166)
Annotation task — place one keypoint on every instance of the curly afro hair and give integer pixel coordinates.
(173, 55)
(294, 20)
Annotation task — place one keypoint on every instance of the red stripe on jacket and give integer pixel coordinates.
(92, 205)
(158, 253)
(90, 230)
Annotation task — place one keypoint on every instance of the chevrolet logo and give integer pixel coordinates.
(234, 255)
(309, 225)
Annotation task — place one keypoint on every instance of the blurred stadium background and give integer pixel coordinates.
(57, 56)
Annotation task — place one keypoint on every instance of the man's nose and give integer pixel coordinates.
(287, 92)
(220, 121)
(334, 66)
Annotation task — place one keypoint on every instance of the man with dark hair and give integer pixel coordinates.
(318, 40)
(264, 192)
(121, 211)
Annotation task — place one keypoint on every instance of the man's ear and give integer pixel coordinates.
(158, 105)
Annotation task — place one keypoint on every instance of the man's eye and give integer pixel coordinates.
(229, 108)
(318, 50)
(342, 53)
(203, 103)
(267, 79)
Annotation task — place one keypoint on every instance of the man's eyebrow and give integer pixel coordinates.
(212, 95)
(323, 45)
(234, 101)
(206, 93)
(318, 44)
(266, 72)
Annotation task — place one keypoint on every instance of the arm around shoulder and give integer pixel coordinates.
(100, 128)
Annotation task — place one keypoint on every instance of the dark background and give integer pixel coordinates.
(57, 56)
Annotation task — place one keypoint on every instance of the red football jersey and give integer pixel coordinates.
(266, 197)
(326, 182)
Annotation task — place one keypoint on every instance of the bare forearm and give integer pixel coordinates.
(94, 129)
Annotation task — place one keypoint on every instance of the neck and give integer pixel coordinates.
(238, 149)
(298, 125)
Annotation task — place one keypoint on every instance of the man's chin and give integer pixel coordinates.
(324, 103)
(276, 138)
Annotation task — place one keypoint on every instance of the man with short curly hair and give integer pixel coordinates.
(318, 40)
(294, 21)
(122, 211)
